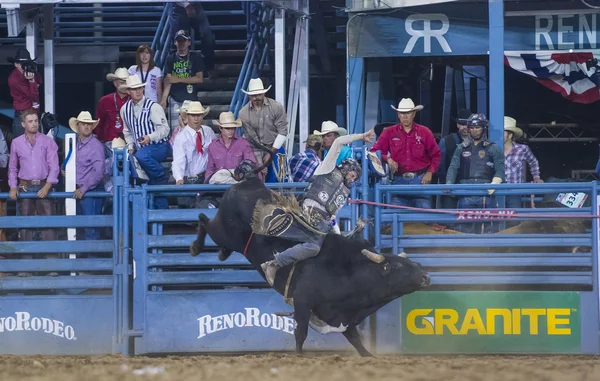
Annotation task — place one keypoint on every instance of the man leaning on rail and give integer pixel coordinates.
(326, 194)
(476, 161)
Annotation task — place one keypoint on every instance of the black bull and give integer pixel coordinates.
(341, 286)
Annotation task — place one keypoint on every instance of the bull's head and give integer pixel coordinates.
(402, 274)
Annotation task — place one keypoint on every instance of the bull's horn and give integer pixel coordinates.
(403, 255)
(377, 258)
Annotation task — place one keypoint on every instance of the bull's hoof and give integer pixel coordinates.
(195, 249)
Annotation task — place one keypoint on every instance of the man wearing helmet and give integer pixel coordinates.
(326, 194)
(476, 161)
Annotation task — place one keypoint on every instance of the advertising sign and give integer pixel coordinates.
(491, 322)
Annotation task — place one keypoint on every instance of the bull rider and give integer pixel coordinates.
(326, 194)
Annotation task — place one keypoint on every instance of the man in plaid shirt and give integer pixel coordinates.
(304, 164)
(515, 157)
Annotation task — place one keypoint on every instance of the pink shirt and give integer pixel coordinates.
(35, 162)
(221, 157)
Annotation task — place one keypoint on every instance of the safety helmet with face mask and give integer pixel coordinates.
(349, 165)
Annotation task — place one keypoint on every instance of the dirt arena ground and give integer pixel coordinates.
(311, 367)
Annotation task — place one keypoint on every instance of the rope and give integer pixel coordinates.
(504, 215)
(248, 243)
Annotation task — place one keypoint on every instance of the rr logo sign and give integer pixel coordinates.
(426, 32)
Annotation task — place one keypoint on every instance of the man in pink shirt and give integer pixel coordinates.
(228, 151)
(33, 167)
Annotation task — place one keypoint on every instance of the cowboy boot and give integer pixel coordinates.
(270, 269)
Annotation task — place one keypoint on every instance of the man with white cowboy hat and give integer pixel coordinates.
(265, 121)
(331, 131)
(23, 82)
(117, 143)
(229, 150)
(515, 158)
(108, 111)
(190, 148)
(411, 153)
(89, 169)
(146, 132)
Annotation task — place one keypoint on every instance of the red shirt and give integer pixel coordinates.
(412, 151)
(108, 111)
(23, 92)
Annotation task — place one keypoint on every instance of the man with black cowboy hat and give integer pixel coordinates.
(146, 132)
(90, 169)
(447, 147)
(23, 83)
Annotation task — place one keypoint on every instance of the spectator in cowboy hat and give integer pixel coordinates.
(304, 164)
(146, 132)
(411, 153)
(329, 132)
(190, 148)
(90, 169)
(108, 111)
(23, 82)
(183, 121)
(265, 121)
(117, 143)
(516, 158)
(229, 150)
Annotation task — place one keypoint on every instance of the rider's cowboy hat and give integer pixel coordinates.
(83, 117)
(22, 55)
(195, 108)
(227, 120)
(407, 105)
(121, 73)
(256, 87)
(118, 143)
(132, 82)
(329, 126)
(510, 124)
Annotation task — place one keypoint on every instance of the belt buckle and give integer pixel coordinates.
(35, 182)
(192, 179)
(408, 175)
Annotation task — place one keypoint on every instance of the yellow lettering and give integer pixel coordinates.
(472, 321)
(491, 320)
(448, 318)
(426, 327)
(553, 321)
(534, 314)
(516, 321)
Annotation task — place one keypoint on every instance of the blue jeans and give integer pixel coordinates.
(151, 158)
(91, 206)
(423, 202)
(180, 20)
(17, 127)
(477, 202)
(513, 202)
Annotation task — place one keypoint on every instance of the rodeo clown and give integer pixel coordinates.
(326, 194)
(476, 161)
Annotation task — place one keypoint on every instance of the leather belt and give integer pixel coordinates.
(412, 175)
(23, 184)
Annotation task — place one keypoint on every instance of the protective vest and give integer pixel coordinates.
(329, 191)
(476, 162)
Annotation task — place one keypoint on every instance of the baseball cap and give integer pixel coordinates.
(313, 140)
(182, 34)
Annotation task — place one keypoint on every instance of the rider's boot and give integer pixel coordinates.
(270, 269)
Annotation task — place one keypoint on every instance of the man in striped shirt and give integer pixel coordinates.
(146, 132)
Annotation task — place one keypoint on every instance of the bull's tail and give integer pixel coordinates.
(264, 148)
(198, 245)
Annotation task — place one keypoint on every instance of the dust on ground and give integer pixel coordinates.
(278, 366)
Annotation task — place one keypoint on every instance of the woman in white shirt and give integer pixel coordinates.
(147, 72)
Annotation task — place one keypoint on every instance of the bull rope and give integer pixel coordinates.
(248, 243)
(488, 213)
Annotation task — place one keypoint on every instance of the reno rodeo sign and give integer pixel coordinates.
(440, 30)
(250, 317)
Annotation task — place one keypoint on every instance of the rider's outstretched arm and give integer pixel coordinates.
(328, 164)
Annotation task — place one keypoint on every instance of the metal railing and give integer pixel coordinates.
(260, 30)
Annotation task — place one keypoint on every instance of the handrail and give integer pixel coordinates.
(259, 20)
